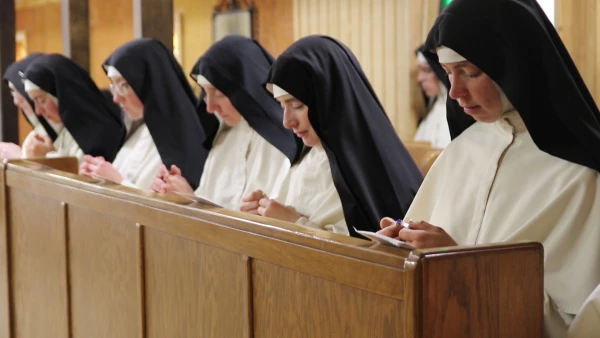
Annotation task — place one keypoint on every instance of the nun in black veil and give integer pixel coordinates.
(329, 103)
(20, 98)
(524, 161)
(145, 73)
(63, 92)
(249, 147)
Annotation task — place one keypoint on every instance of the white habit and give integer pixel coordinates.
(434, 127)
(308, 187)
(138, 160)
(492, 184)
(587, 322)
(240, 161)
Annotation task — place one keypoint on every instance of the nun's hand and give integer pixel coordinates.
(175, 182)
(9, 150)
(250, 202)
(423, 235)
(39, 146)
(158, 185)
(273, 209)
(98, 166)
(389, 227)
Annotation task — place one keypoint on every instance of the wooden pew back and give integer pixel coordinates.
(87, 258)
(423, 154)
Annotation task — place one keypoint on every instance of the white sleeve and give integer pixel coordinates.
(587, 322)
(329, 215)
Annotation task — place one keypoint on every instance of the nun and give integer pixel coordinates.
(149, 82)
(357, 168)
(64, 93)
(249, 147)
(40, 126)
(523, 164)
(433, 128)
(138, 161)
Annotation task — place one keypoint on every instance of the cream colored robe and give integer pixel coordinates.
(308, 187)
(434, 128)
(239, 162)
(138, 160)
(492, 184)
(587, 322)
(64, 145)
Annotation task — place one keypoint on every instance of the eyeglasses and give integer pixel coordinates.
(121, 88)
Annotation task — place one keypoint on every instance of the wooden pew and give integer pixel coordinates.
(423, 154)
(86, 258)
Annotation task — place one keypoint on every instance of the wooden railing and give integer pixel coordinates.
(87, 258)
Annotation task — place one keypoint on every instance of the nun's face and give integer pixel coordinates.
(428, 80)
(20, 101)
(218, 103)
(295, 117)
(126, 98)
(44, 105)
(475, 92)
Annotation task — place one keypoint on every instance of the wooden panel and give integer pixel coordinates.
(154, 19)
(579, 28)
(39, 266)
(186, 283)
(66, 164)
(76, 31)
(197, 29)
(41, 25)
(109, 28)
(5, 292)
(307, 306)
(486, 298)
(104, 270)
(275, 24)
(324, 249)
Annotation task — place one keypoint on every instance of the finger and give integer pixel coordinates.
(261, 211)
(391, 231)
(386, 222)
(93, 168)
(248, 197)
(254, 196)
(175, 170)
(38, 137)
(156, 185)
(421, 225)
(249, 206)
(264, 202)
(411, 235)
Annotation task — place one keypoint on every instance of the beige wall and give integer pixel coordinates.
(196, 29)
(110, 27)
(383, 34)
(579, 28)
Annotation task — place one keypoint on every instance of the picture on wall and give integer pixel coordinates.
(233, 21)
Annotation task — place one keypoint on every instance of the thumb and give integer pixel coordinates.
(175, 170)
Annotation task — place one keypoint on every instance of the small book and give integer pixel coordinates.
(198, 199)
(375, 237)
